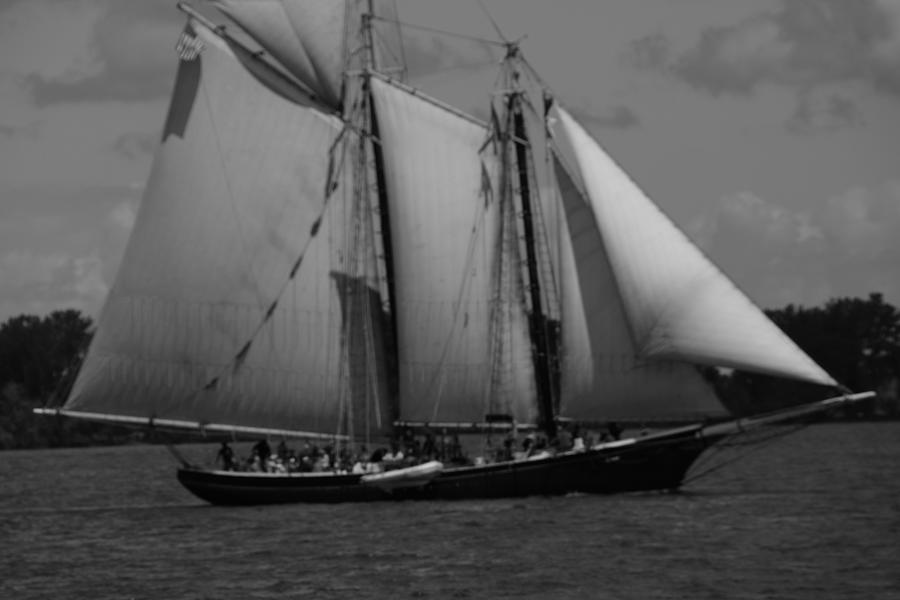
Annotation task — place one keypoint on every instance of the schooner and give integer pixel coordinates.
(324, 252)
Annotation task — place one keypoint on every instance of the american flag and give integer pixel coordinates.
(189, 46)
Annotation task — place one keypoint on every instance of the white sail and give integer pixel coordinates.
(678, 304)
(305, 36)
(602, 377)
(235, 196)
(444, 229)
(314, 39)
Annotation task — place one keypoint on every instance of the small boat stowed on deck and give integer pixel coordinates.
(325, 252)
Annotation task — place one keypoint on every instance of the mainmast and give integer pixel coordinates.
(370, 180)
(543, 336)
(371, 63)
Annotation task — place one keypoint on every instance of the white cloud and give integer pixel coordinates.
(846, 246)
(35, 283)
(864, 223)
(122, 216)
(56, 255)
(32, 35)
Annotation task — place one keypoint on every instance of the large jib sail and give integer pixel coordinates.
(603, 378)
(225, 309)
(677, 304)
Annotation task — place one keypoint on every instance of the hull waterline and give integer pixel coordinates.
(644, 464)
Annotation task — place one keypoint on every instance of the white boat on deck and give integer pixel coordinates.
(407, 477)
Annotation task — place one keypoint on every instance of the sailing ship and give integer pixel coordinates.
(324, 252)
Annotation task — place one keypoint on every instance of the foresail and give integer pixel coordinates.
(445, 233)
(236, 195)
(678, 304)
(602, 377)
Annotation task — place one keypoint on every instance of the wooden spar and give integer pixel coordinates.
(186, 425)
(739, 425)
(543, 349)
(473, 427)
(257, 55)
(383, 215)
(419, 94)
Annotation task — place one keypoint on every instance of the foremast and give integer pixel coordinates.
(370, 249)
(517, 183)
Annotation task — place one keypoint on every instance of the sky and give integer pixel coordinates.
(769, 130)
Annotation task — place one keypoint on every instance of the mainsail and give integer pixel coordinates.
(678, 304)
(445, 229)
(206, 322)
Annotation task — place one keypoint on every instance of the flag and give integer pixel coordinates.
(189, 46)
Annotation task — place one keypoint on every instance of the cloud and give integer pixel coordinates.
(133, 145)
(428, 55)
(49, 39)
(818, 111)
(803, 44)
(863, 223)
(128, 55)
(846, 246)
(615, 117)
(73, 260)
(29, 130)
(744, 224)
(35, 283)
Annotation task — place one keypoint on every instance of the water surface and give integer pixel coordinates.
(816, 515)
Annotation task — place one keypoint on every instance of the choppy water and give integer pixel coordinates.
(816, 515)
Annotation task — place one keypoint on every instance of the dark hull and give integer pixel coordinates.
(650, 463)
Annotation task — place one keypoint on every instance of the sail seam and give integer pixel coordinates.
(235, 364)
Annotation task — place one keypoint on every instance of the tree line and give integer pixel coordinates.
(39, 357)
(856, 340)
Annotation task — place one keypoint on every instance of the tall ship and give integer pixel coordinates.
(327, 255)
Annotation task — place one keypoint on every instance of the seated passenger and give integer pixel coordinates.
(577, 440)
(394, 456)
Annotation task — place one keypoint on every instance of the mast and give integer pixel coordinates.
(383, 214)
(544, 347)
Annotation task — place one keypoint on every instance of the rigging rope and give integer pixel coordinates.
(753, 445)
(440, 31)
(235, 364)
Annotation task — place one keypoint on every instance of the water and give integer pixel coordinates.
(816, 515)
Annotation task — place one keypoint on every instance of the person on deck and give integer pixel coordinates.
(564, 439)
(614, 430)
(263, 451)
(226, 455)
(577, 440)
(394, 456)
(429, 448)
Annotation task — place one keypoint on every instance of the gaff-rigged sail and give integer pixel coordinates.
(445, 233)
(236, 195)
(308, 37)
(678, 305)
